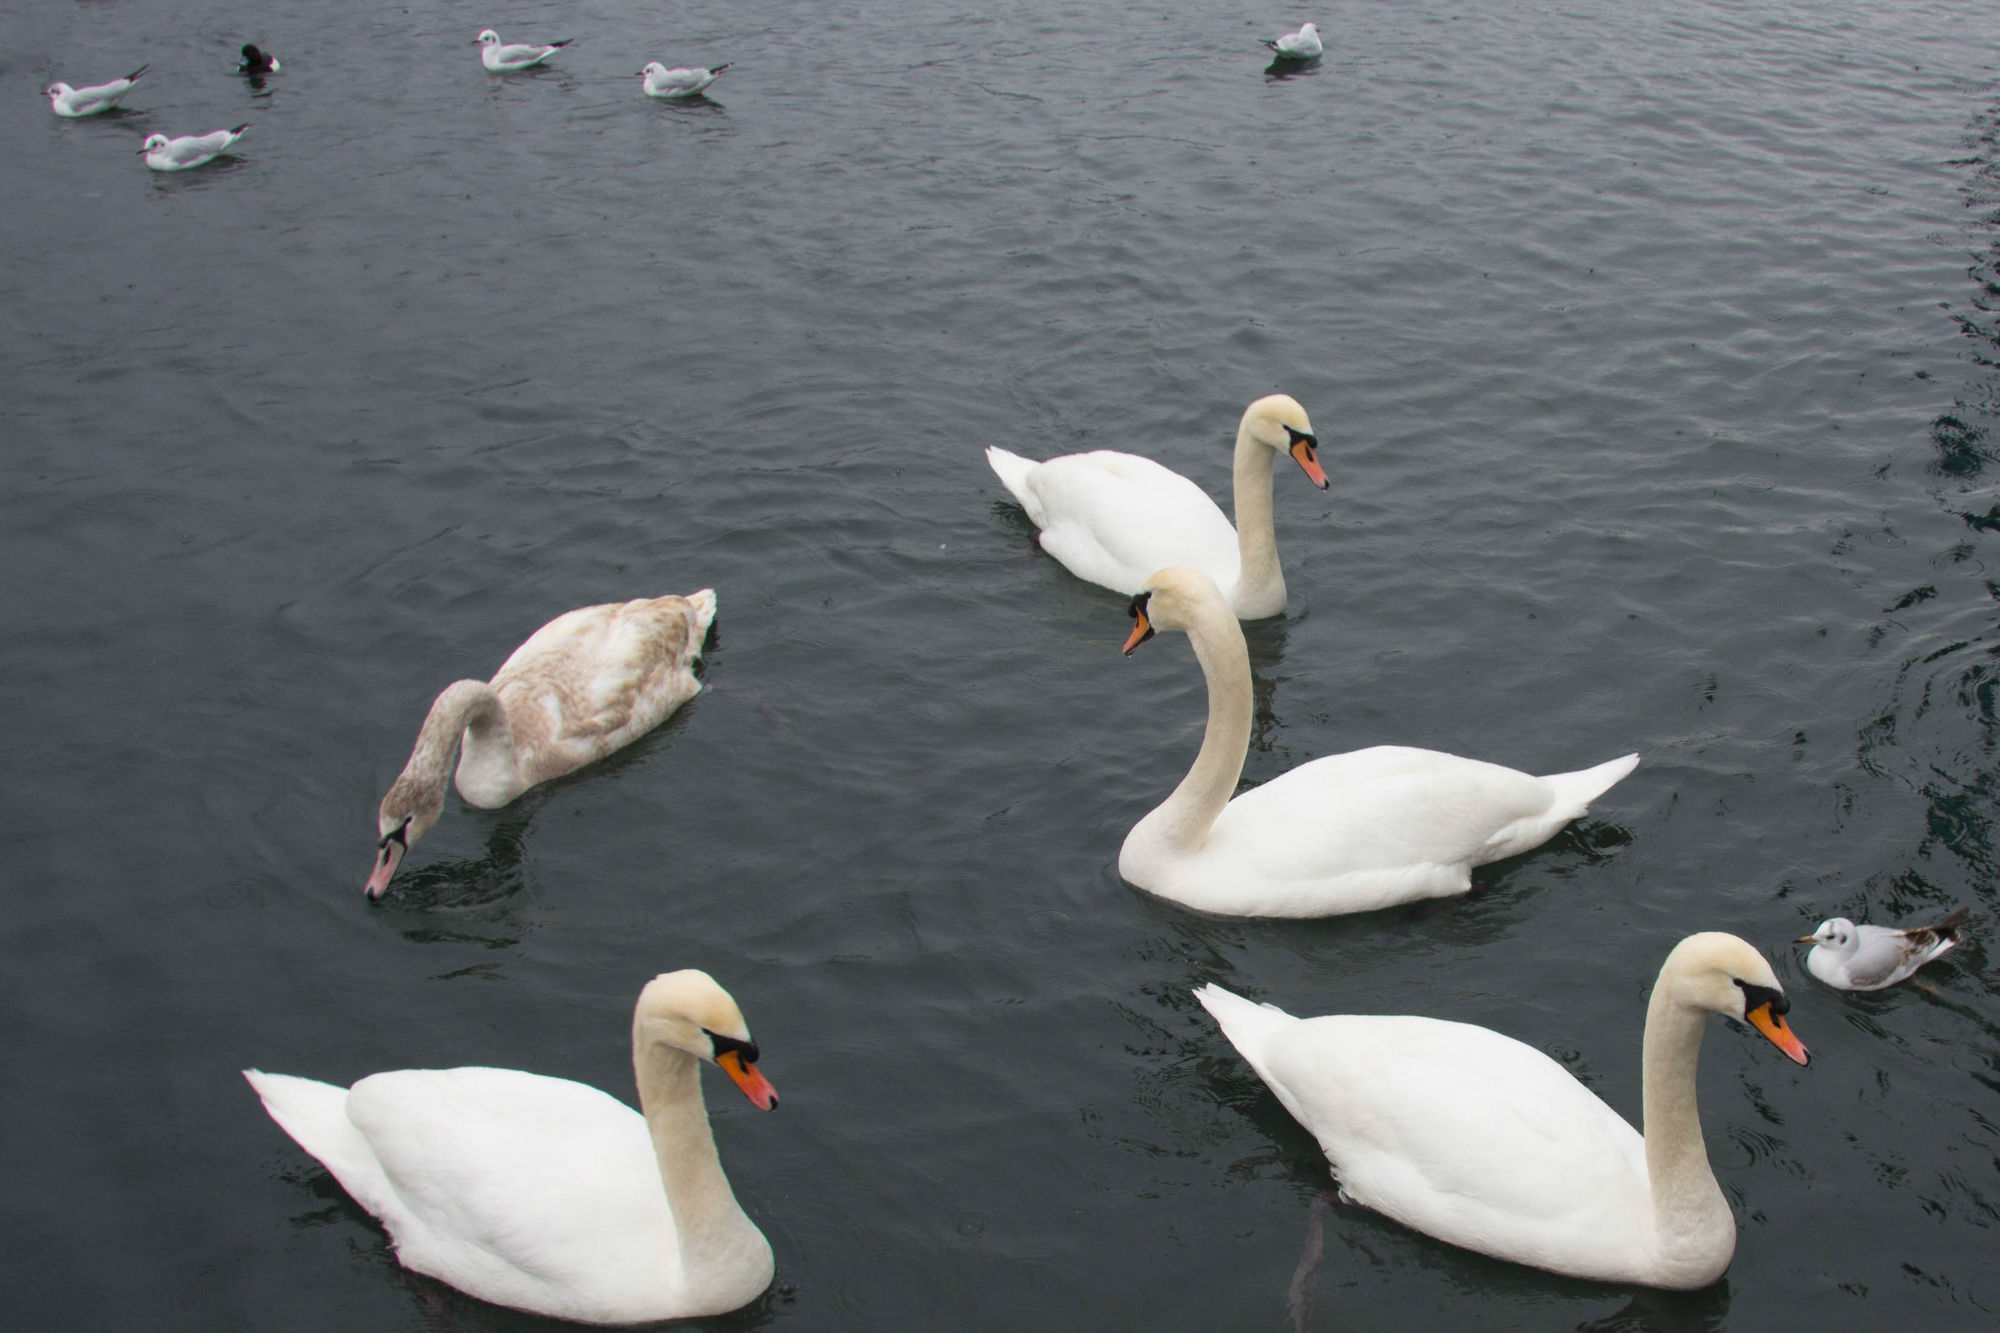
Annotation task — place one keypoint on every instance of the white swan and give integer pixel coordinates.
(1112, 518)
(1485, 1142)
(551, 1196)
(1344, 833)
(589, 682)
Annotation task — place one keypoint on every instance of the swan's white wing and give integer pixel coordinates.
(605, 674)
(528, 1191)
(1469, 1136)
(1115, 518)
(1389, 821)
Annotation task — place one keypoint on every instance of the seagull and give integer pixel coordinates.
(1853, 957)
(74, 102)
(1300, 45)
(190, 150)
(664, 82)
(515, 56)
(257, 62)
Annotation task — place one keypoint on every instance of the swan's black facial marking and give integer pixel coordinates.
(1755, 996)
(400, 835)
(724, 1045)
(1297, 437)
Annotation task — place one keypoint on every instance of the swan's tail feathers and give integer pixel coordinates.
(1014, 471)
(1575, 791)
(133, 77)
(315, 1115)
(1248, 1024)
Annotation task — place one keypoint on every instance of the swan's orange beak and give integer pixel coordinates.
(1308, 458)
(745, 1076)
(1142, 628)
(1772, 1025)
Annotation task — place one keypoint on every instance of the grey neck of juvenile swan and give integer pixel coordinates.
(467, 708)
(707, 1219)
(1184, 818)
(1260, 584)
(1688, 1205)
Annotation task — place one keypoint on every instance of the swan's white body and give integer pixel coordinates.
(1483, 1141)
(502, 57)
(190, 150)
(1113, 518)
(586, 684)
(71, 103)
(1862, 957)
(1301, 45)
(547, 1195)
(1345, 833)
(671, 83)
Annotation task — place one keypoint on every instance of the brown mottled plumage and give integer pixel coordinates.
(586, 684)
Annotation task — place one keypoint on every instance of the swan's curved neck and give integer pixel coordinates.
(1260, 586)
(472, 710)
(707, 1220)
(1687, 1203)
(1184, 818)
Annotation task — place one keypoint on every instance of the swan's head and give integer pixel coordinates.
(1721, 973)
(1279, 421)
(689, 1012)
(1837, 934)
(1171, 599)
(487, 38)
(407, 813)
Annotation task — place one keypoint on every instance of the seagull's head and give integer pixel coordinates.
(487, 38)
(652, 67)
(57, 90)
(1837, 934)
(153, 141)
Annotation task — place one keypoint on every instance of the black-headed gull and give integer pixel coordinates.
(1301, 45)
(74, 102)
(517, 55)
(190, 150)
(1858, 957)
(257, 62)
(664, 82)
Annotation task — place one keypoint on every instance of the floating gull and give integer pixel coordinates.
(516, 55)
(190, 150)
(257, 62)
(664, 82)
(1300, 45)
(1853, 957)
(74, 102)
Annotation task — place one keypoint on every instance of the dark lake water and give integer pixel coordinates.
(1655, 358)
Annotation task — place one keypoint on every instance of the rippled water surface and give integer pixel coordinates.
(1653, 351)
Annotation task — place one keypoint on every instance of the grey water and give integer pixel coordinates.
(1654, 356)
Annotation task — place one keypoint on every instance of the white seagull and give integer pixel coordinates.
(664, 82)
(1301, 45)
(190, 150)
(73, 102)
(515, 55)
(1852, 957)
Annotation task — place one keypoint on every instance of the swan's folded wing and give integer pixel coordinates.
(1466, 1135)
(513, 1186)
(1115, 518)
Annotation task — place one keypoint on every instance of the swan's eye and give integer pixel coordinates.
(724, 1045)
(1755, 995)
